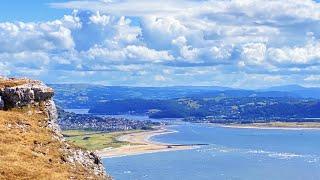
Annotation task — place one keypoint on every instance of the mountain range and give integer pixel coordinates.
(86, 95)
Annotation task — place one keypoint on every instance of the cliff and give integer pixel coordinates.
(31, 144)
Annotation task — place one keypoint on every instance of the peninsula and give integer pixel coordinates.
(125, 143)
(141, 143)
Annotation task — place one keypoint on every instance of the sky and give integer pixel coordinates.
(234, 43)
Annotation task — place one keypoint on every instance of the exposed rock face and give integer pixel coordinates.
(88, 159)
(1, 103)
(52, 114)
(22, 95)
(37, 93)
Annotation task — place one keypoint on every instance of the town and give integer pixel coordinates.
(73, 121)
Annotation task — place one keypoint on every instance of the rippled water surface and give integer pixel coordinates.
(239, 154)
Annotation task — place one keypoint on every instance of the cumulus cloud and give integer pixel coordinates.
(251, 9)
(254, 53)
(206, 41)
(131, 8)
(17, 37)
(127, 54)
(309, 54)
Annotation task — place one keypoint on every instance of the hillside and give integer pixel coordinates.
(85, 96)
(218, 109)
(31, 144)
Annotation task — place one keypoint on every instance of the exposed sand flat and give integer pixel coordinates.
(277, 125)
(142, 144)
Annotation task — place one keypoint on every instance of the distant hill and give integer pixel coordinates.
(240, 109)
(86, 96)
(287, 88)
(297, 90)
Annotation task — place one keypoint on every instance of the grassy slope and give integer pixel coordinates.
(91, 140)
(28, 150)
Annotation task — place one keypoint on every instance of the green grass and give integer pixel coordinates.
(92, 140)
(78, 132)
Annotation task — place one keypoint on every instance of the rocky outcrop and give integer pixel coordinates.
(22, 95)
(87, 159)
(35, 93)
(52, 115)
(1, 103)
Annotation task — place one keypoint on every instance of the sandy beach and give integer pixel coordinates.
(287, 126)
(141, 144)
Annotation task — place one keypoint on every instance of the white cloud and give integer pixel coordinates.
(132, 52)
(312, 78)
(221, 52)
(206, 39)
(17, 37)
(265, 9)
(141, 52)
(254, 53)
(186, 51)
(100, 19)
(159, 32)
(159, 78)
(303, 55)
(131, 8)
(25, 59)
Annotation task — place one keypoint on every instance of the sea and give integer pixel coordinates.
(231, 154)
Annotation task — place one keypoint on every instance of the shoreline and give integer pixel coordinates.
(141, 144)
(288, 126)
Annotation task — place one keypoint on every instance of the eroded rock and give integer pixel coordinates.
(1, 103)
(22, 95)
(88, 160)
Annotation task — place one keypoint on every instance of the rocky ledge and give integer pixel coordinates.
(28, 94)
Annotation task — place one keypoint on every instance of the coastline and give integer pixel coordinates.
(274, 126)
(140, 143)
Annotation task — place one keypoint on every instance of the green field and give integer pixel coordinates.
(92, 140)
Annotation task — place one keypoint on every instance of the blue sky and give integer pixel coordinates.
(33, 10)
(236, 43)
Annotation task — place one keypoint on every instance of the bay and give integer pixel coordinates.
(239, 154)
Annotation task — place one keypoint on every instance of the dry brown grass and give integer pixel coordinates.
(29, 151)
(12, 82)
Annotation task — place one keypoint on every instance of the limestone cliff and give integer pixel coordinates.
(31, 144)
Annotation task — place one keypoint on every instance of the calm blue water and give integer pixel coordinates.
(233, 154)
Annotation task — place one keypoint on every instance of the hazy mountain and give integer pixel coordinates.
(287, 88)
(85, 95)
(297, 90)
